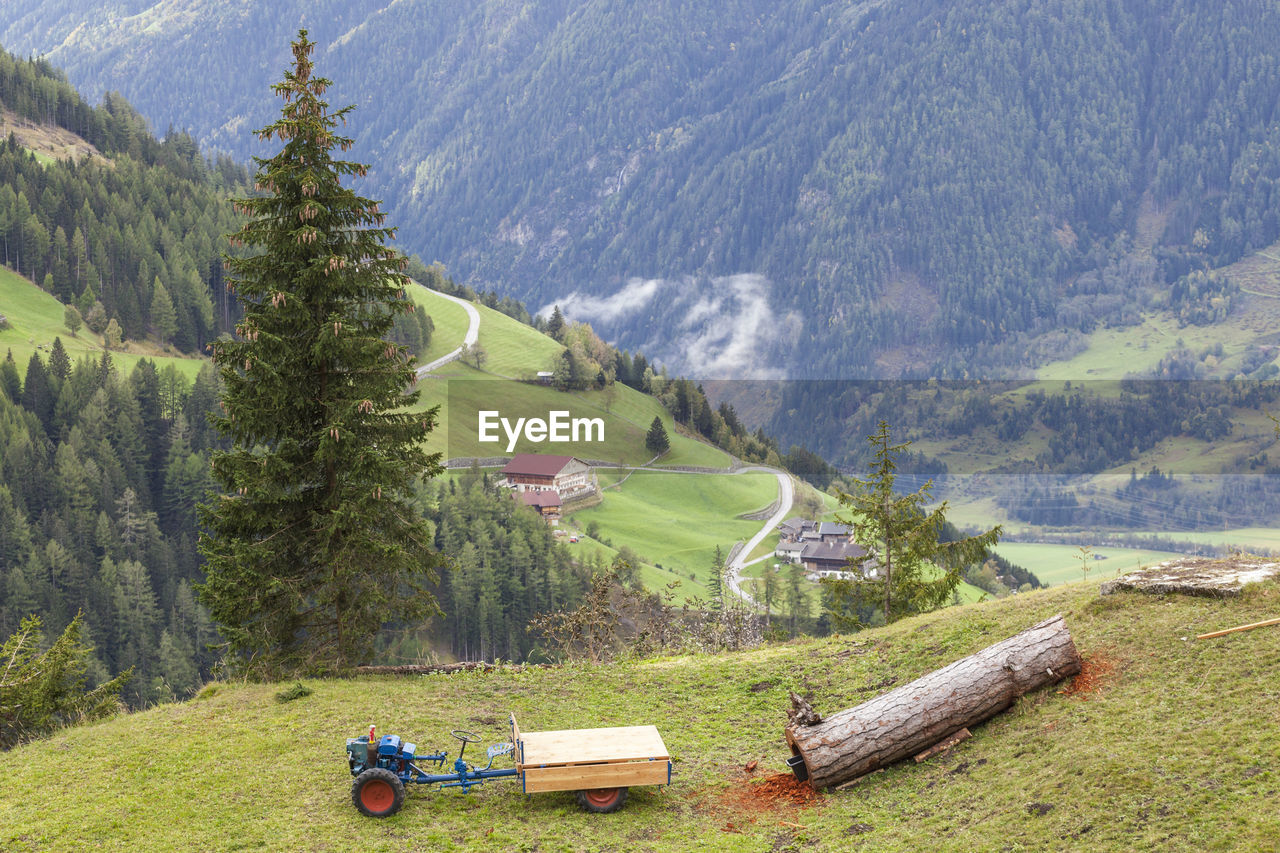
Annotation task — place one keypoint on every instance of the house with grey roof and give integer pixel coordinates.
(789, 551)
(837, 559)
(832, 531)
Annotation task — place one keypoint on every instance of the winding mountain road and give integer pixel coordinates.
(472, 335)
(786, 497)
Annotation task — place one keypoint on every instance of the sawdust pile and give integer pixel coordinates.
(1096, 671)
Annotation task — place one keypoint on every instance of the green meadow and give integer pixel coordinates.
(35, 319)
(675, 521)
(449, 321)
(1169, 746)
(1058, 564)
(516, 351)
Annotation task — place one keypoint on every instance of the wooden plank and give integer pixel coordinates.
(518, 755)
(1236, 629)
(586, 776)
(576, 746)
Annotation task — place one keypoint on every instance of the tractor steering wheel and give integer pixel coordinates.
(465, 736)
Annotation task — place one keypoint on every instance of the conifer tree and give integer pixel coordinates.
(656, 439)
(715, 581)
(43, 689)
(163, 317)
(902, 542)
(59, 362)
(37, 394)
(317, 543)
(10, 382)
(555, 326)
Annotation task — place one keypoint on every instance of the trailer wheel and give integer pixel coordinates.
(377, 792)
(602, 800)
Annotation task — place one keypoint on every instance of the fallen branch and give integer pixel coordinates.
(944, 745)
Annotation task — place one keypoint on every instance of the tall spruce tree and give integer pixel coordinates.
(317, 544)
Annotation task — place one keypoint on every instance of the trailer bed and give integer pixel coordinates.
(581, 759)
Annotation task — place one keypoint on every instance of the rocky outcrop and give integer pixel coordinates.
(1219, 578)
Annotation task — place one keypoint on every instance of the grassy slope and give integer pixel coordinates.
(673, 520)
(1175, 752)
(515, 350)
(35, 319)
(754, 586)
(1111, 353)
(1056, 564)
(676, 520)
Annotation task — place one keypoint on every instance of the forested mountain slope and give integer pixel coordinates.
(134, 235)
(903, 187)
(101, 466)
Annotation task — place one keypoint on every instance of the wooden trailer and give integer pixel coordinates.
(599, 764)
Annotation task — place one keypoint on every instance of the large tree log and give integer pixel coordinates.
(915, 716)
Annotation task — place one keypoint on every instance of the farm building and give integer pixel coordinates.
(840, 559)
(545, 501)
(790, 551)
(831, 532)
(568, 476)
(793, 528)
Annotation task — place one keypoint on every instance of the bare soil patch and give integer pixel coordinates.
(56, 142)
(773, 799)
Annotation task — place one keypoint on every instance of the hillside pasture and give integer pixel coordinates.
(1184, 762)
(35, 319)
(676, 520)
(448, 319)
(515, 351)
(1058, 564)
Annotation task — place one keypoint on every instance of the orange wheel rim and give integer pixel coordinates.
(377, 796)
(601, 797)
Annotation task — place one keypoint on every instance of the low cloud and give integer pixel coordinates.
(719, 328)
(607, 309)
(726, 336)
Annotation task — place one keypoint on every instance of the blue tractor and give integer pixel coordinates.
(383, 766)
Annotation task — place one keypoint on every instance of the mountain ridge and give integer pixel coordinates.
(991, 159)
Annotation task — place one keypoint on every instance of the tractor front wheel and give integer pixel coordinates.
(602, 800)
(377, 792)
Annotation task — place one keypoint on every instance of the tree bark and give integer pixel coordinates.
(915, 716)
(436, 668)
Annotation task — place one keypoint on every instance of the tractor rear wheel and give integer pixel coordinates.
(602, 800)
(377, 792)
